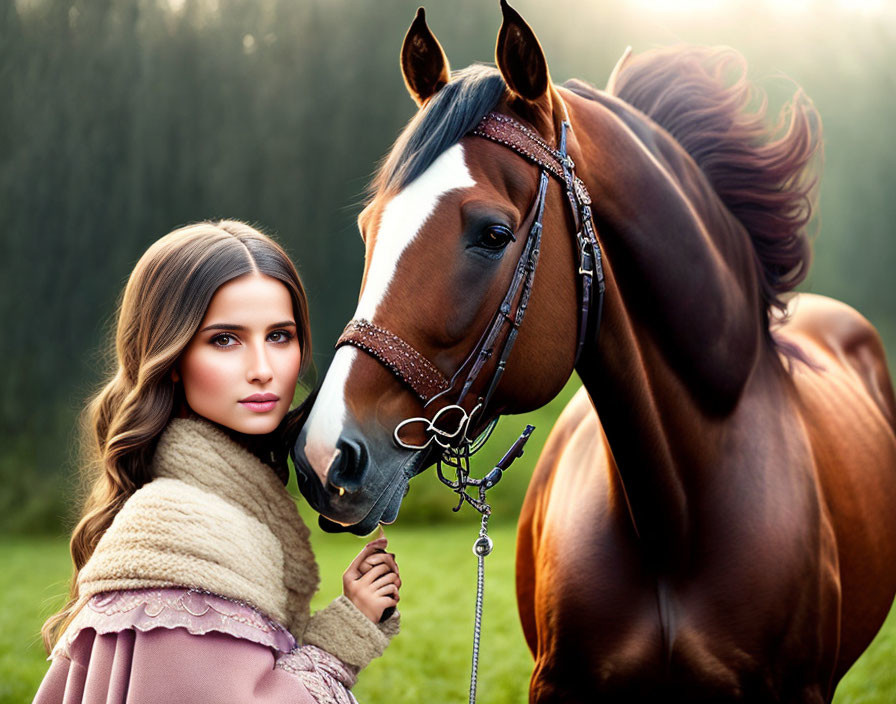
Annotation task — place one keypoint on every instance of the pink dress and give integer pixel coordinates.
(178, 645)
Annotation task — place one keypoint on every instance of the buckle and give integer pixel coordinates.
(586, 255)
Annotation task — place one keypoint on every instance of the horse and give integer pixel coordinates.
(713, 516)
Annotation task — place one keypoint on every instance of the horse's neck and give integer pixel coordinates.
(682, 324)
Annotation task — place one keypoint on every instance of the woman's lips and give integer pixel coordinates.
(260, 403)
(259, 406)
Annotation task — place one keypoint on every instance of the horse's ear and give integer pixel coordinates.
(520, 58)
(423, 63)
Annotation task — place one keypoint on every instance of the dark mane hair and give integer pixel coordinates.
(765, 175)
(452, 112)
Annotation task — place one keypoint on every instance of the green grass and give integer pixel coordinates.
(429, 661)
(34, 584)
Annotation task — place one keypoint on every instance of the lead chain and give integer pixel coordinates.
(459, 458)
(482, 547)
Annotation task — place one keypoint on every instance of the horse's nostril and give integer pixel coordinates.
(347, 467)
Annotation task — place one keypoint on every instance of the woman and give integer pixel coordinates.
(193, 570)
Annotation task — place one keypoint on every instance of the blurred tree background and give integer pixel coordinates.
(123, 119)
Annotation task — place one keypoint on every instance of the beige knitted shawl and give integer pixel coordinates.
(216, 518)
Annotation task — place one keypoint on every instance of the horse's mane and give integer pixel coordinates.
(446, 117)
(765, 175)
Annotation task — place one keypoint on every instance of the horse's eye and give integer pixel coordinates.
(496, 237)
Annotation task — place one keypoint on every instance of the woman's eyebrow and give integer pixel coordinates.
(242, 328)
(223, 326)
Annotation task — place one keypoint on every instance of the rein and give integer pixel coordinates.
(428, 383)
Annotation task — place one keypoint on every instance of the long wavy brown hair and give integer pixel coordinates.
(162, 305)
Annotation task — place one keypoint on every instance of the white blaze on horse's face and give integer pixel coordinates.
(401, 221)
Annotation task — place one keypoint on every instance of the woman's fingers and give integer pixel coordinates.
(378, 559)
(388, 578)
(353, 571)
(375, 572)
(387, 590)
(372, 602)
(372, 581)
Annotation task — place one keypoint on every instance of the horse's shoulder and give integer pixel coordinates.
(829, 323)
(578, 408)
(578, 412)
(837, 334)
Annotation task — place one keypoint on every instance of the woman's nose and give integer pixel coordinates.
(259, 369)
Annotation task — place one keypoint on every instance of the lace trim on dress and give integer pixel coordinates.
(196, 610)
(325, 676)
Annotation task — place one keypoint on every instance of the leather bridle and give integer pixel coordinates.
(418, 373)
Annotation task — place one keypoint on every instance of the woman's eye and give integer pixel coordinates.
(496, 237)
(280, 336)
(224, 340)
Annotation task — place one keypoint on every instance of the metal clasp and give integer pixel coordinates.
(586, 255)
(441, 437)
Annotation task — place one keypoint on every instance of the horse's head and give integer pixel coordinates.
(452, 235)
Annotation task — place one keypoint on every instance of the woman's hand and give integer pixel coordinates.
(371, 582)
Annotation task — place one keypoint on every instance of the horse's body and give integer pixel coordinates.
(790, 560)
(727, 531)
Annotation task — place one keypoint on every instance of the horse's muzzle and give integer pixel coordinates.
(364, 483)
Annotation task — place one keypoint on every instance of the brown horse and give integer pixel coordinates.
(727, 530)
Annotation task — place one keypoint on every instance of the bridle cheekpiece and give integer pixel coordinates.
(427, 382)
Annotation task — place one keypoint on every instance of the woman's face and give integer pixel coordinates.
(241, 367)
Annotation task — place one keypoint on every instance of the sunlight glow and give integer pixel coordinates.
(683, 5)
(787, 7)
(868, 6)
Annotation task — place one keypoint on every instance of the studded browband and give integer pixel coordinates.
(418, 373)
(507, 131)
